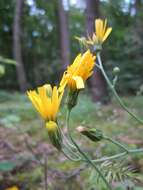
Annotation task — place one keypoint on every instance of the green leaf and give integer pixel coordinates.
(7, 61)
(6, 166)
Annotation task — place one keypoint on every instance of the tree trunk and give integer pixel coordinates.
(97, 82)
(64, 35)
(138, 6)
(17, 52)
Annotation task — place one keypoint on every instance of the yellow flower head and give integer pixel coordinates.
(102, 32)
(46, 101)
(13, 188)
(79, 71)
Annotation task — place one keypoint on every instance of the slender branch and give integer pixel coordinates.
(115, 80)
(86, 156)
(115, 93)
(116, 143)
(70, 147)
(28, 146)
(45, 173)
(116, 156)
(69, 157)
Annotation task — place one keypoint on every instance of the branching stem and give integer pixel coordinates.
(116, 156)
(87, 159)
(116, 143)
(114, 91)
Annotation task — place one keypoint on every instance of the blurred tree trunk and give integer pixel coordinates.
(97, 82)
(64, 35)
(138, 6)
(17, 45)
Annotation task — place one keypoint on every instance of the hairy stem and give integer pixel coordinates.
(114, 91)
(116, 156)
(86, 156)
(116, 143)
(45, 173)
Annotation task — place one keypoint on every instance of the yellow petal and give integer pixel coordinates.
(79, 82)
(99, 29)
(63, 82)
(54, 102)
(104, 26)
(35, 101)
(107, 33)
(48, 89)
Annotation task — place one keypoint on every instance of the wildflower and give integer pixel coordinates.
(47, 101)
(75, 76)
(13, 188)
(102, 32)
(78, 72)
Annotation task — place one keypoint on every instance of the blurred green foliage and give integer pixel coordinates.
(21, 119)
(41, 43)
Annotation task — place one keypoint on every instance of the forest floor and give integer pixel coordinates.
(22, 129)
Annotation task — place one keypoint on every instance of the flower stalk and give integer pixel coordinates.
(116, 143)
(111, 86)
(84, 155)
(45, 173)
(120, 155)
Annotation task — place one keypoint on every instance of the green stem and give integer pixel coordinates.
(69, 157)
(71, 149)
(45, 173)
(116, 156)
(85, 156)
(114, 91)
(116, 143)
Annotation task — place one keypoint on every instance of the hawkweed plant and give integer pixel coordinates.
(47, 99)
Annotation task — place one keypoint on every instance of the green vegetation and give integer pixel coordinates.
(19, 121)
(41, 41)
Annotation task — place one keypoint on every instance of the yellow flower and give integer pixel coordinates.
(78, 72)
(13, 188)
(46, 101)
(102, 32)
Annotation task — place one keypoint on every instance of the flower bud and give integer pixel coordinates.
(54, 134)
(97, 47)
(93, 134)
(2, 70)
(72, 99)
(116, 70)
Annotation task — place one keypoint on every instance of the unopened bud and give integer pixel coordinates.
(116, 70)
(2, 70)
(81, 129)
(54, 134)
(92, 134)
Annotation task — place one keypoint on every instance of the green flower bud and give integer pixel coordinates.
(97, 48)
(72, 99)
(54, 134)
(116, 70)
(2, 70)
(93, 134)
